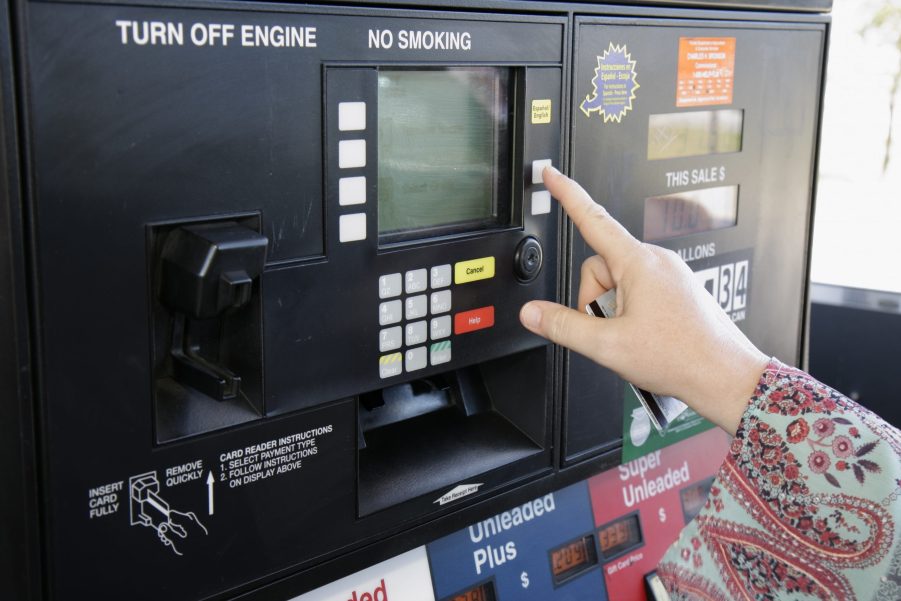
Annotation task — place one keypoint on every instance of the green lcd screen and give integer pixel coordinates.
(443, 151)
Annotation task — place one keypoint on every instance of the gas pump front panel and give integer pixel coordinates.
(281, 256)
(278, 254)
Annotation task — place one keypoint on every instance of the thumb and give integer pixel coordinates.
(577, 331)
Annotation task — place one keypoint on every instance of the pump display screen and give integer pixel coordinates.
(443, 151)
(697, 133)
(690, 212)
(620, 535)
(573, 558)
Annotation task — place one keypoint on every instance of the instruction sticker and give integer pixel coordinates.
(706, 71)
(541, 111)
(615, 82)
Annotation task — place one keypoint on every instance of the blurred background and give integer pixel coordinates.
(855, 327)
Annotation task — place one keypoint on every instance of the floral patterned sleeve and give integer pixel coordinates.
(806, 505)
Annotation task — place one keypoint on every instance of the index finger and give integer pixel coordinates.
(602, 232)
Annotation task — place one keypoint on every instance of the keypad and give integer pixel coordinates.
(419, 302)
(418, 306)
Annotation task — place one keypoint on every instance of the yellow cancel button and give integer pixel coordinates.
(476, 269)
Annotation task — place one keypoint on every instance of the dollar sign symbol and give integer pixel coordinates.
(524, 578)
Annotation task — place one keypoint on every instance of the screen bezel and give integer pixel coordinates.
(503, 194)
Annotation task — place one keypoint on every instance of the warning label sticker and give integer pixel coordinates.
(706, 71)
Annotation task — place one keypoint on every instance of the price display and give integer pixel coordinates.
(482, 592)
(690, 212)
(695, 133)
(620, 536)
(573, 558)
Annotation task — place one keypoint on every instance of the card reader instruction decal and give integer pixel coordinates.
(149, 509)
(256, 462)
(706, 71)
(146, 499)
(615, 82)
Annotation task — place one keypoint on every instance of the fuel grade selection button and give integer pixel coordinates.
(477, 319)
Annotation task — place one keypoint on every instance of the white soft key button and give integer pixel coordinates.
(351, 154)
(352, 190)
(351, 116)
(352, 227)
(390, 312)
(541, 202)
(538, 169)
(416, 280)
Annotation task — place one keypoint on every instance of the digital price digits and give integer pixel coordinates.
(573, 558)
(619, 535)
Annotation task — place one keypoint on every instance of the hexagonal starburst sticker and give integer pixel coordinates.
(615, 82)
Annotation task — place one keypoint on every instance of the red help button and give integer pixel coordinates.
(470, 321)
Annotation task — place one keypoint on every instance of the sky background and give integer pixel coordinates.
(857, 233)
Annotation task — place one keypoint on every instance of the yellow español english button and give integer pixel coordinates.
(474, 270)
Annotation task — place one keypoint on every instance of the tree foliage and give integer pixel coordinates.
(886, 23)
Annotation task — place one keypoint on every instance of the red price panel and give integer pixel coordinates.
(619, 536)
(573, 558)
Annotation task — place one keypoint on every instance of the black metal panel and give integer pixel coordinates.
(773, 171)
(157, 131)
(20, 565)
(845, 324)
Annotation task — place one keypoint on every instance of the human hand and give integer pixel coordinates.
(670, 336)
